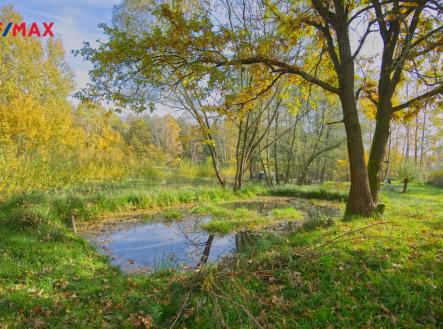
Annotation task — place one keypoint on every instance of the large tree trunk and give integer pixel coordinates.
(359, 200)
(378, 149)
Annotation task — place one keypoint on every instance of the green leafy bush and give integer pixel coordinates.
(409, 171)
(436, 178)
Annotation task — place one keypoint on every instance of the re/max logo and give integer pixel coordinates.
(26, 30)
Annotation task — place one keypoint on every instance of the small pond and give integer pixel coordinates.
(150, 246)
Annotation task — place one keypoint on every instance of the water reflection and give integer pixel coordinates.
(151, 246)
(140, 247)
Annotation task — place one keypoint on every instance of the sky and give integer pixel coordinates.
(75, 21)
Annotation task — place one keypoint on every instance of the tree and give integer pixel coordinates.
(191, 98)
(35, 116)
(166, 135)
(139, 135)
(411, 32)
(181, 41)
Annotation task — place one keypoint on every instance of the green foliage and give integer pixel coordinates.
(226, 220)
(436, 178)
(410, 172)
(287, 213)
(309, 191)
(172, 214)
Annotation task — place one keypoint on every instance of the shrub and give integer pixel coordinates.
(436, 178)
(409, 173)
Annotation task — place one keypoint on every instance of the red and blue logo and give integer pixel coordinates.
(27, 30)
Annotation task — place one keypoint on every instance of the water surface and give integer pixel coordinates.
(150, 246)
(155, 245)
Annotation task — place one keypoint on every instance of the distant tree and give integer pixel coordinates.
(139, 135)
(166, 135)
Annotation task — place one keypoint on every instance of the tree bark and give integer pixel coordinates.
(416, 142)
(359, 200)
(408, 138)
(422, 142)
(277, 179)
(378, 147)
(405, 185)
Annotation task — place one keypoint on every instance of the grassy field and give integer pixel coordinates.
(381, 272)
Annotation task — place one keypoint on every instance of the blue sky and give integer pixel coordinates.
(75, 21)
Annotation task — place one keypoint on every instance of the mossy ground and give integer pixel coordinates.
(372, 273)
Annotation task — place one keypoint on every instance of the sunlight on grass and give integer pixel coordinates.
(385, 272)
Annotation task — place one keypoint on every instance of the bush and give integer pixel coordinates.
(410, 172)
(436, 178)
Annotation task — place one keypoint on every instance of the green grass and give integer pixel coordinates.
(231, 220)
(309, 191)
(172, 214)
(384, 276)
(88, 205)
(226, 220)
(387, 275)
(287, 213)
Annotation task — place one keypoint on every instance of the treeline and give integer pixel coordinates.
(290, 133)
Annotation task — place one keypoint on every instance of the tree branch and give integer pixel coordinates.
(432, 93)
(282, 68)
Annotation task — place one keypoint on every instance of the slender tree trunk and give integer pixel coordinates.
(302, 178)
(268, 180)
(388, 161)
(277, 180)
(405, 185)
(206, 251)
(403, 150)
(422, 142)
(408, 133)
(216, 166)
(416, 142)
(290, 155)
(323, 171)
